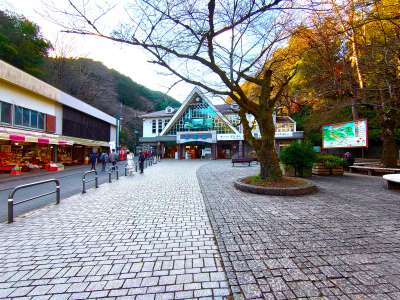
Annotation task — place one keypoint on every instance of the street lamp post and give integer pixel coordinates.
(119, 119)
(136, 132)
(117, 135)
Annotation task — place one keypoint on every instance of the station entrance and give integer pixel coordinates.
(196, 150)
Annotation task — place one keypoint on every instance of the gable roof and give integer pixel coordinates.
(158, 114)
(225, 109)
(185, 105)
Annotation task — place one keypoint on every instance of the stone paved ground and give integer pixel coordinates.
(146, 237)
(341, 243)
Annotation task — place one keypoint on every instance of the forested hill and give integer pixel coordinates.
(102, 87)
(107, 90)
(22, 45)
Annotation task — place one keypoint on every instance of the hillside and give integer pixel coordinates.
(107, 90)
(100, 86)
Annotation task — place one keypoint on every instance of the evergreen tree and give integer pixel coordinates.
(21, 43)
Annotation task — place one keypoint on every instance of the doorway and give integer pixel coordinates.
(196, 150)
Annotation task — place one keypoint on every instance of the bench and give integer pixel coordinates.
(243, 160)
(372, 170)
(393, 181)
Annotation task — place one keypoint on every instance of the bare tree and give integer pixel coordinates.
(215, 45)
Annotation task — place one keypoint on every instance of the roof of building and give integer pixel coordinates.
(224, 108)
(284, 119)
(159, 114)
(28, 82)
(195, 93)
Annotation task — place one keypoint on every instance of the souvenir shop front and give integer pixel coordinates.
(29, 153)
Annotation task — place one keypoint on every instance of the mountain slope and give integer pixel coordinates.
(107, 90)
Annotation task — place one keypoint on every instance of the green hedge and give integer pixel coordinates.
(298, 155)
(330, 161)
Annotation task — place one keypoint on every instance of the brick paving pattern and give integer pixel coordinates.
(144, 237)
(341, 243)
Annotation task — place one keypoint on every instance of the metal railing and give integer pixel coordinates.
(11, 203)
(84, 181)
(110, 171)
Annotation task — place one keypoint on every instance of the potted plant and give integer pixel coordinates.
(297, 159)
(328, 164)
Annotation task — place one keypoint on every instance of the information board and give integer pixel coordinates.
(353, 134)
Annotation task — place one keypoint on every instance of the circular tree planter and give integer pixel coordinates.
(305, 189)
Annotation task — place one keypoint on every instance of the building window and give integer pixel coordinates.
(200, 117)
(154, 126)
(28, 118)
(41, 121)
(160, 127)
(166, 121)
(284, 127)
(5, 112)
(34, 119)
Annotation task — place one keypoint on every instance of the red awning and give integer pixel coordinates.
(43, 141)
(17, 138)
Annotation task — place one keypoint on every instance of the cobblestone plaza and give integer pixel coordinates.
(181, 231)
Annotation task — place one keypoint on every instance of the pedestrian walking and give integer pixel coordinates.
(104, 160)
(141, 161)
(113, 158)
(93, 159)
(130, 162)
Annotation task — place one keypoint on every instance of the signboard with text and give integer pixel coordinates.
(204, 137)
(230, 137)
(284, 134)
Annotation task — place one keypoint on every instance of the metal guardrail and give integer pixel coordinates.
(84, 181)
(11, 203)
(110, 171)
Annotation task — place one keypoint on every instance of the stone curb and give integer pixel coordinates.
(309, 188)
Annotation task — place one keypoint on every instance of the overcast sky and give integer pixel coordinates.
(130, 61)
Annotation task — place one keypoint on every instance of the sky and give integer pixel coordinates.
(128, 60)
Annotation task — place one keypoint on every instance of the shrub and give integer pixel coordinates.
(298, 155)
(330, 161)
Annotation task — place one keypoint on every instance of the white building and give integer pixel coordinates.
(199, 128)
(41, 124)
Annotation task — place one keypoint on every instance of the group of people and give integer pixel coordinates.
(113, 158)
(104, 158)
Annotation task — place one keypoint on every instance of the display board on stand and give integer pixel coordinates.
(352, 134)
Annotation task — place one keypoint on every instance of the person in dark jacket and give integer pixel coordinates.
(113, 158)
(104, 160)
(93, 159)
(348, 160)
(141, 159)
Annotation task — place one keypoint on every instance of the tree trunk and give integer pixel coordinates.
(390, 150)
(266, 153)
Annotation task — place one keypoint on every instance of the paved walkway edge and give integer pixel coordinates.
(226, 263)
